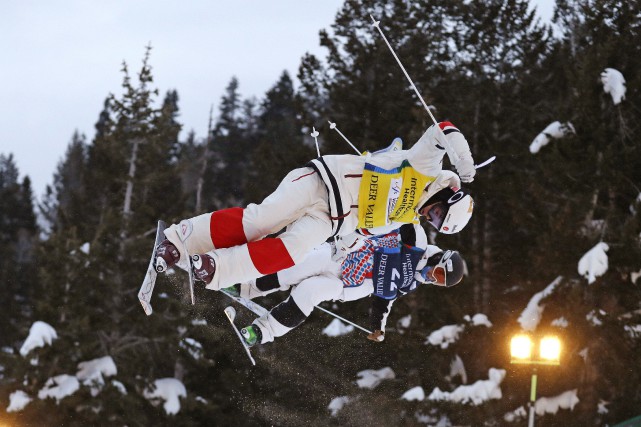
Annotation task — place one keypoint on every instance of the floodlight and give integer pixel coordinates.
(550, 349)
(521, 347)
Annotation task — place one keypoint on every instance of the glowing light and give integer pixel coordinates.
(521, 347)
(550, 349)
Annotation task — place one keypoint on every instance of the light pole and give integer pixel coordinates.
(522, 352)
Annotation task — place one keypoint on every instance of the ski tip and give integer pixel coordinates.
(230, 312)
(147, 307)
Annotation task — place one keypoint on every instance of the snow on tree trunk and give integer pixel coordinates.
(132, 173)
(205, 161)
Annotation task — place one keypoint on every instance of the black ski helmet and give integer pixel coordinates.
(444, 269)
(450, 209)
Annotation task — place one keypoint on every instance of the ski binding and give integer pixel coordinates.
(147, 288)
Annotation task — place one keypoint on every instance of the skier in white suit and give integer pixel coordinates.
(365, 272)
(343, 197)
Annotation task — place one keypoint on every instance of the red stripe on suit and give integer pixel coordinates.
(269, 255)
(226, 228)
(443, 125)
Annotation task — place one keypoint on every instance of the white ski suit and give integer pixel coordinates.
(315, 203)
(319, 279)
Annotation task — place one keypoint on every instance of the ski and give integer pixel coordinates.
(231, 315)
(190, 272)
(147, 288)
(255, 308)
(186, 228)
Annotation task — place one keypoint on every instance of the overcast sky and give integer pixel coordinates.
(61, 59)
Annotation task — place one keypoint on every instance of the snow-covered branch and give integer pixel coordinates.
(555, 130)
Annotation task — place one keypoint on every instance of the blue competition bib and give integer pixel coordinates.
(394, 270)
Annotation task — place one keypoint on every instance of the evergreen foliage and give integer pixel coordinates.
(18, 238)
(229, 154)
(492, 69)
(279, 141)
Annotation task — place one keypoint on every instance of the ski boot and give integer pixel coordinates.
(167, 256)
(251, 289)
(233, 290)
(204, 268)
(251, 335)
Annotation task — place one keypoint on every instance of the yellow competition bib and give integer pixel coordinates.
(387, 196)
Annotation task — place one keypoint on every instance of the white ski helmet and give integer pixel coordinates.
(449, 210)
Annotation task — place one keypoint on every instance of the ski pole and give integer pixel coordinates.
(343, 319)
(333, 126)
(485, 163)
(377, 26)
(450, 152)
(314, 135)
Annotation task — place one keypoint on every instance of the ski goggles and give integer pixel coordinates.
(435, 274)
(436, 214)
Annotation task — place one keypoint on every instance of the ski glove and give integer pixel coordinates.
(342, 246)
(466, 169)
(463, 161)
(376, 336)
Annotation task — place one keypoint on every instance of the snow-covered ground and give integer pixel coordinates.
(371, 378)
(337, 328)
(477, 393)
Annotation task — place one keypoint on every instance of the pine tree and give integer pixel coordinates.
(599, 169)
(280, 146)
(313, 95)
(490, 68)
(94, 258)
(68, 194)
(193, 160)
(228, 154)
(493, 94)
(18, 239)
